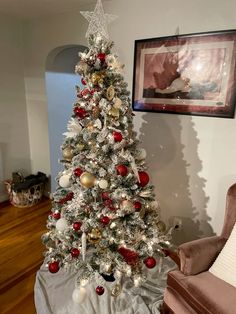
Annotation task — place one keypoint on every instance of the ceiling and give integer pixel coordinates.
(39, 8)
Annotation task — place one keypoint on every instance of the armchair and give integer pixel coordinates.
(193, 289)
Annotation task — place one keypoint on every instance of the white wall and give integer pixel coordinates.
(191, 159)
(14, 139)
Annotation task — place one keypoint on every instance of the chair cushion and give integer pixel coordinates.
(206, 293)
(224, 266)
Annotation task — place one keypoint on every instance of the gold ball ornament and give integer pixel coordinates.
(110, 93)
(90, 126)
(80, 146)
(67, 153)
(97, 78)
(117, 103)
(116, 290)
(94, 236)
(161, 226)
(87, 180)
(142, 213)
(95, 112)
(114, 113)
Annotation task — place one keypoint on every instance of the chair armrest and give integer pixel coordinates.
(197, 256)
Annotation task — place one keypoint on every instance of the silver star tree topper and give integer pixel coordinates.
(98, 21)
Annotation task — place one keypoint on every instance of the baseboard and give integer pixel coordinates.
(3, 197)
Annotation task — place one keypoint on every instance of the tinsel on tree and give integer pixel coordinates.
(105, 219)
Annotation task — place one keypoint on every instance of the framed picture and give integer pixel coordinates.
(190, 74)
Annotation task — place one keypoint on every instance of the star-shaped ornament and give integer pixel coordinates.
(98, 21)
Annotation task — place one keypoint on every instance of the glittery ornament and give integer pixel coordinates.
(103, 184)
(105, 195)
(80, 146)
(98, 21)
(161, 226)
(97, 78)
(142, 212)
(90, 126)
(67, 153)
(117, 103)
(80, 113)
(116, 290)
(87, 180)
(114, 113)
(94, 236)
(131, 257)
(110, 93)
(61, 224)
(95, 112)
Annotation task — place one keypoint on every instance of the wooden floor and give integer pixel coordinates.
(20, 255)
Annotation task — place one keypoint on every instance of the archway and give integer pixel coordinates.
(60, 85)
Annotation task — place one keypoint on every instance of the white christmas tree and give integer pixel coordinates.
(105, 220)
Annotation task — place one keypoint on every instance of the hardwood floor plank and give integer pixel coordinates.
(21, 254)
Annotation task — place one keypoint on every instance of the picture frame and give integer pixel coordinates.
(190, 74)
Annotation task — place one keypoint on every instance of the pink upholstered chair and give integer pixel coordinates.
(193, 289)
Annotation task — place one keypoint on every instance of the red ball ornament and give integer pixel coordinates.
(69, 196)
(112, 208)
(85, 92)
(100, 290)
(80, 113)
(83, 81)
(117, 136)
(143, 178)
(56, 215)
(105, 195)
(75, 252)
(105, 220)
(107, 202)
(122, 170)
(101, 57)
(150, 262)
(137, 205)
(53, 267)
(78, 172)
(77, 225)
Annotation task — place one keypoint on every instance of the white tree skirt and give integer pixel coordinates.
(53, 294)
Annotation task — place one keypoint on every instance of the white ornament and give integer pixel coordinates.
(112, 225)
(73, 127)
(64, 181)
(141, 154)
(61, 224)
(103, 184)
(84, 245)
(127, 205)
(79, 295)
